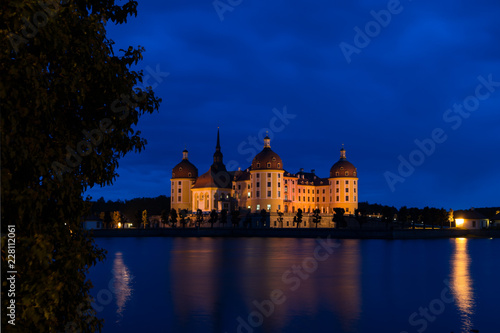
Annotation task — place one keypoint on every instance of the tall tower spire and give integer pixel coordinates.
(217, 147)
(342, 153)
(217, 154)
(267, 141)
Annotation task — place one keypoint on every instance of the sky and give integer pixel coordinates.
(411, 88)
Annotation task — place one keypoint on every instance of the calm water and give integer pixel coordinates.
(297, 285)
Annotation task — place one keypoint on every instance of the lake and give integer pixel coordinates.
(156, 284)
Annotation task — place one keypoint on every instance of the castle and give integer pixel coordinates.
(264, 185)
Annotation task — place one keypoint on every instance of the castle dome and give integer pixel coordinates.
(185, 169)
(267, 159)
(343, 168)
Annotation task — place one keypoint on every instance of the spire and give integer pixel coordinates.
(342, 153)
(185, 154)
(217, 147)
(217, 154)
(267, 141)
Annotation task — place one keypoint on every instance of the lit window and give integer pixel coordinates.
(258, 207)
(249, 194)
(269, 207)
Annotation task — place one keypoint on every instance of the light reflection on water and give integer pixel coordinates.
(122, 284)
(208, 284)
(461, 283)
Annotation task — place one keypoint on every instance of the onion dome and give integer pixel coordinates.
(185, 169)
(343, 168)
(267, 159)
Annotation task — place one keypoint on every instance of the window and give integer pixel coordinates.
(473, 224)
(249, 207)
(257, 184)
(279, 194)
(278, 166)
(180, 168)
(347, 190)
(239, 186)
(293, 190)
(279, 184)
(305, 223)
(180, 183)
(258, 207)
(308, 199)
(258, 165)
(337, 182)
(299, 198)
(172, 183)
(268, 208)
(179, 191)
(354, 182)
(173, 199)
(347, 210)
(354, 190)
(347, 173)
(304, 199)
(323, 199)
(317, 199)
(257, 194)
(287, 223)
(172, 190)
(179, 199)
(338, 198)
(354, 198)
(248, 187)
(346, 182)
(323, 191)
(308, 191)
(337, 190)
(286, 195)
(234, 187)
(279, 175)
(258, 175)
(189, 174)
(274, 158)
(268, 194)
(336, 173)
(286, 180)
(279, 207)
(299, 190)
(248, 194)
(275, 223)
(346, 198)
(286, 188)
(269, 174)
(268, 164)
(268, 184)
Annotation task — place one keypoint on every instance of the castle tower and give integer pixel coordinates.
(184, 175)
(343, 185)
(266, 180)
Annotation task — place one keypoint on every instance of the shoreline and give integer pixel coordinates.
(299, 233)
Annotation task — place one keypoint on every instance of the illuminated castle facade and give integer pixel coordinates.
(264, 185)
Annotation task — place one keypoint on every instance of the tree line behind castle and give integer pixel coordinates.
(156, 213)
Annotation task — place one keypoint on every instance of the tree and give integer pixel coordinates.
(213, 218)
(403, 216)
(263, 218)
(138, 218)
(297, 219)
(182, 215)
(173, 218)
(199, 217)
(451, 217)
(280, 218)
(107, 219)
(361, 217)
(145, 220)
(69, 109)
(339, 218)
(223, 217)
(235, 218)
(117, 219)
(247, 222)
(316, 217)
(164, 217)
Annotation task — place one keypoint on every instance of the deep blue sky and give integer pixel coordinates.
(265, 55)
